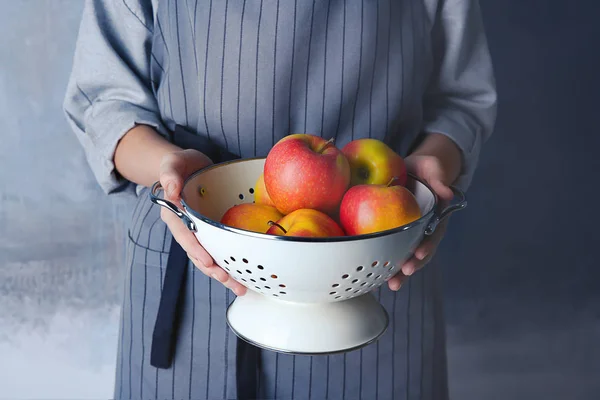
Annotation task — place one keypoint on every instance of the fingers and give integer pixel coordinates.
(236, 287)
(217, 273)
(185, 237)
(173, 169)
(425, 252)
(430, 169)
(416, 262)
(396, 281)
(420, 257)
(200, 257)
(413, 265)
(427, 247)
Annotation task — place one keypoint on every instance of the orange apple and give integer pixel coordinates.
(261, 196)
(375, 208)
(306, 222)
(374, 162)
(306, 171)
(251, 216)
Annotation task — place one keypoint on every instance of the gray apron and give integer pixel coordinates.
(239, 75)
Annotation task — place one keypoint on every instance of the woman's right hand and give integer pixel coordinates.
(175, 167)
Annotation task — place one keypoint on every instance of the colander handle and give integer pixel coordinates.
(440, 216)
(170, 206)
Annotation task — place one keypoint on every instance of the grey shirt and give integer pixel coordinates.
(247, 72)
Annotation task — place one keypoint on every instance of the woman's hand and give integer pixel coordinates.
(175, 167)
(438, 162)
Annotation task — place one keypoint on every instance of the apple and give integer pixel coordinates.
(306, 171)
(305, 222)
(373, 162)
(251, 216)
(375, 208)
(261, 196)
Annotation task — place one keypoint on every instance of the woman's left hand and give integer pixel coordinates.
(438, 162)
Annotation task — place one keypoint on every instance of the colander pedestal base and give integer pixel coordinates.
(303, 328)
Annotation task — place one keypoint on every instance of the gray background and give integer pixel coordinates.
(522, 293)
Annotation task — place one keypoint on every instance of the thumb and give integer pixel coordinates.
(430, 169)
(172, 170)
(442, 190)
(176, 167)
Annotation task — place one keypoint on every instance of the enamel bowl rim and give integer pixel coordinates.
(424, 220)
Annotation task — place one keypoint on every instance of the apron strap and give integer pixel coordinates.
(164, 338)
(166, 326)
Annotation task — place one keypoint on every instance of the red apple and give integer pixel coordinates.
(306, 171)
(261, 196)
(306, 222)
(250, 216)
(374, 162)
(375, 208)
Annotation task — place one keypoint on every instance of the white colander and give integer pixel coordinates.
(306, 295)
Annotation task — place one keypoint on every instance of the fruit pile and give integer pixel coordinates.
(311, 188)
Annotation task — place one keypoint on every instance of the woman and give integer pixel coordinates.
(162, 88)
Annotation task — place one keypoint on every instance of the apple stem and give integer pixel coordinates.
(327, 143)
(271, 223)
(394, 178)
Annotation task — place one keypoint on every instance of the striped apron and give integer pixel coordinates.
(231, 78)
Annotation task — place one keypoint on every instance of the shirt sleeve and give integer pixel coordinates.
(110, 88)
(460, 101)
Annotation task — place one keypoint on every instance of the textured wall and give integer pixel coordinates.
(60, 246)
(522, 294)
